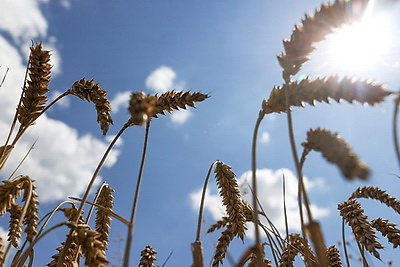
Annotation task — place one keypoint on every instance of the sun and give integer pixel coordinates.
(361, 45)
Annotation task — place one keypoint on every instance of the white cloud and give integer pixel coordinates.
(265, 137)
(121, 100)
(62, 161)
(161, 79)
(269, 184)
(180, 116)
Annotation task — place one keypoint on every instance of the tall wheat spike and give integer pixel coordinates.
(33, 98)
(321, 90)
(103, 217)
(337, 151)
(296, 245)
(9, 191)
(15, 227)
(353, 214)
(92, 92)
(170, 101)
(387, 229)
(92, 248)
(377, 194)
(148, 257)
(314, 29)
(31, 218)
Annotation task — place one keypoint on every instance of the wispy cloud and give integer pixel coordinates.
(63, 160)
(270, 196)
(161, 79)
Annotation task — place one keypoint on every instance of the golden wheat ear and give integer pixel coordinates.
(314, 29)
(142, 108)
(92, 92)
(33, 97)
(387, 229)
(296, 245)
(337, 151)
(353, 214)
(170, 101)
(103, 216)
(321, 90)
(333, 255)
(377, 194)
(93, 249)
(148, 257)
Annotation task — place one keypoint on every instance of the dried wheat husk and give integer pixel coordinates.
(218, 225)
(377, 194)
(229, 191)
(93, 249)
(333, 256)
(222, 247)
(142, 108)
(103, 217)
(15, 225)
(173, 100)
(9, 191)
(321, 90)
(4, 154)
(297, 244)
(148, 257)
(387, 229)
(336, 150)
(33, 97)
(71, 258)
(92, 92)
(31, 218)
(353, 214)
(314, 29)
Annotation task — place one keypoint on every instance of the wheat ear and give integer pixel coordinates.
(333, 255)
(103, 217)
(148, 257)
(92, 248)
(222, 247)
(142, 108)
(297, 244)
(92, 92)
(321, 90)
(172, 100)
(314, 29)
(336, 150)
(15, 225)
(387, 229)
(218, 225)
(33, 97)
(2, 258)
(377, 194)
(353, 214)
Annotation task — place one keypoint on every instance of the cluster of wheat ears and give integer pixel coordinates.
(83, 241)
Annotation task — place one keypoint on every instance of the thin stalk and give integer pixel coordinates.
(86, 195)
(254, 186)
(395, 134)
(346, 255)
(23, 159)
(4, 78)
(135, 201)
(203, 197)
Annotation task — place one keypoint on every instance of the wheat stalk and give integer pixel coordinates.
(377, 194)
(387, 229)
(148, 257)
(353, 214)
(4, 153)
(92, 92)
(321, 90)
(336, 150)
(314, 29)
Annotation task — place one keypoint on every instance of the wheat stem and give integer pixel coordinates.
(4, 77)
(135, 201)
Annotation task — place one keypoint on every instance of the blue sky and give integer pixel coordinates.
(225, 48)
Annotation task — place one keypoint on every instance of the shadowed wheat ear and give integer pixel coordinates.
(141, 107)
(33, 97)
(333, 255)
(297, 244)
(337, 151)
(103, 216)
(321, 90)
(377, 194)
(15, 225)
(314, 29)
(148, 257)
(387, 229)
(92, 92)
(353, 214)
